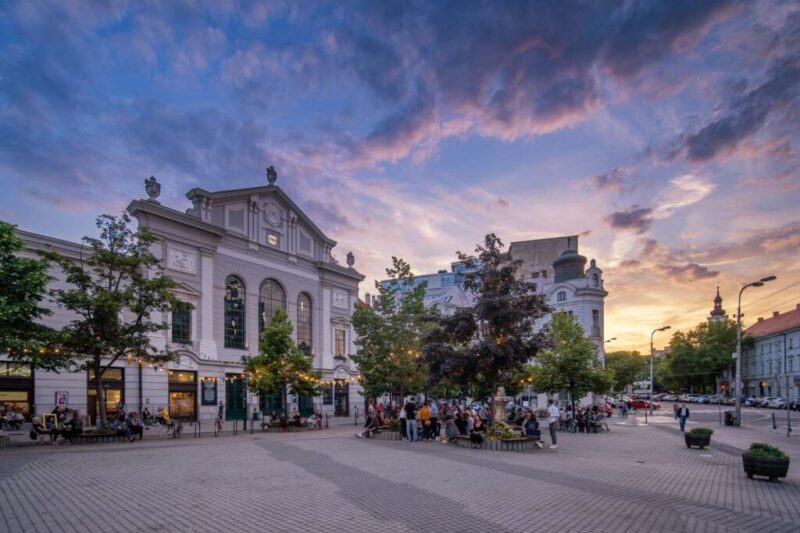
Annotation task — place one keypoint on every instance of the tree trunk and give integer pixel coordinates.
(101, 400)
(285, 400)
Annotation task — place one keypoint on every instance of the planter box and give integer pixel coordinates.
(701, 441)
(771, 467)
(502, 445)
(386, 435)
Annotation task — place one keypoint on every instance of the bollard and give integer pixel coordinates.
(197, 429)
(774, 425)
(235, 427)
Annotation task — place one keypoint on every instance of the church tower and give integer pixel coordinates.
(718, 313)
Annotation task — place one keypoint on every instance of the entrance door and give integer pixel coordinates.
(268, 403)
(341, 402)
(305, 405)
(234, 397)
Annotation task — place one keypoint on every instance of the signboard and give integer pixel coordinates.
(208, 391)
(62, 397)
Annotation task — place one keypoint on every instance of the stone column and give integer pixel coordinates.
(208, 346)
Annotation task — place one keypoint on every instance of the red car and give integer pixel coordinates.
(642, 404)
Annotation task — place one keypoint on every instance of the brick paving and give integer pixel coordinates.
(634, 478)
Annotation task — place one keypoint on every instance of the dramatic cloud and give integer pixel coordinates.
(638, 219)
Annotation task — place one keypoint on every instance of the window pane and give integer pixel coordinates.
(111, 374)
(234, 313)
(178, 376)
(182, 325)
(339, 343)
(20, 370)
(271, 299)
(304, 332)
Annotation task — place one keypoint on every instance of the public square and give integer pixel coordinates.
(635, 477)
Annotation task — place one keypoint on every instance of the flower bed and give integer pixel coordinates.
(386, 435)
(700, 437)
(516, 444)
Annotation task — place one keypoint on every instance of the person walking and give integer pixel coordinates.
(552, 419)
(434, 418)
(403, 425)
(682, 414)
(411, 420)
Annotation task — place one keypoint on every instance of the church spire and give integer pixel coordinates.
(718, 313)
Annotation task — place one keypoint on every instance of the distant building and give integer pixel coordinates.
(771, 367)
(552, 266)
(718, 314)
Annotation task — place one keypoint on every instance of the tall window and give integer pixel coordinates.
(304, 334)
(595, 323)
(271, 298)
(339, 349)
(182, 324)
(234, 313)
(562, 296)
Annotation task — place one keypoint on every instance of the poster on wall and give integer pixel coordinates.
(208, 394)
(62, 398)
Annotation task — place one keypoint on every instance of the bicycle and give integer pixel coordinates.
(219, 427)
(172, 430)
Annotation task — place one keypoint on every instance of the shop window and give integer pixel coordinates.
(271, 298)
(234, 313)
(339, 343)
(16, 370)
(183, 394)
(182, 324)
(304, 317)
(178, 376)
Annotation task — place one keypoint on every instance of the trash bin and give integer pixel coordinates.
(729, 418)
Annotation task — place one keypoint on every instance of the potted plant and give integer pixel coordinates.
(764, 460)
(700, 437)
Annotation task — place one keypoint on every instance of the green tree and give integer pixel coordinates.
(698, 356)
(485, 347)
(23, 286)
(389, 336)
(627, 367)
(280, 365)
(115, 291)
(570, 364)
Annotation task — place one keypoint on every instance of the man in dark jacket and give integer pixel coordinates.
(682, 414)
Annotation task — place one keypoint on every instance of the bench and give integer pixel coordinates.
(90, 438)
(503, 445)
(277, 428)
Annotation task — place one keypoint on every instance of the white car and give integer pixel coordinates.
(777, 403)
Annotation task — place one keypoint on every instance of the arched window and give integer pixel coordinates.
(304, 332)
(562, 296)
(271, 298)
(595, 280)
(234, 313)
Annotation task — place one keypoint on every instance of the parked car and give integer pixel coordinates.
(642, 404)
(765, 402)
(777, 403)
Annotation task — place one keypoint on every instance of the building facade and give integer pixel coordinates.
(771, 366)
(237, 256)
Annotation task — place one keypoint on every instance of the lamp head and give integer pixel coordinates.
(768, 278)
(757, 284)
(665, 328)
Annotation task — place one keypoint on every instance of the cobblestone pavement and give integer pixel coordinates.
(634, 478)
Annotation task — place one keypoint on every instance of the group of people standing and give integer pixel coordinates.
(444, 422)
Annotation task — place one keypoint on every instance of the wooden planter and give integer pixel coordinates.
(701, 441)
(386, 435)
(502, 445)
(771, 467)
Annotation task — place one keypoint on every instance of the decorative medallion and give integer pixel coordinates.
(272, 214)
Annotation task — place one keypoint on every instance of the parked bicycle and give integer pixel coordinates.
(172, 430)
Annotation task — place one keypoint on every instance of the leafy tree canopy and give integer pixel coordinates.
(698, 356)
(117, 292)
(280, 364)
(23, 285)
(485, 347)
(389, 336)
(571, 363)
(627, 367)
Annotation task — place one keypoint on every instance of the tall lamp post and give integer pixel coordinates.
(650, 407)
(738, 401)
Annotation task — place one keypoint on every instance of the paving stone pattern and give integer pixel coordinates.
(633, 478)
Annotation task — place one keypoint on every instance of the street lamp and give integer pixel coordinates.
(611, 339)
(738, 402)
(664, 328)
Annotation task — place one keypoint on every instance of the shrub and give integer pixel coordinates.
(500, 431)
(760, 449)
(394, 424)
(701, 432)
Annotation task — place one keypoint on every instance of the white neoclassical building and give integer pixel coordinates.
(237, 256)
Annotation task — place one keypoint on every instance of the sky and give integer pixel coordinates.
(665, 133)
